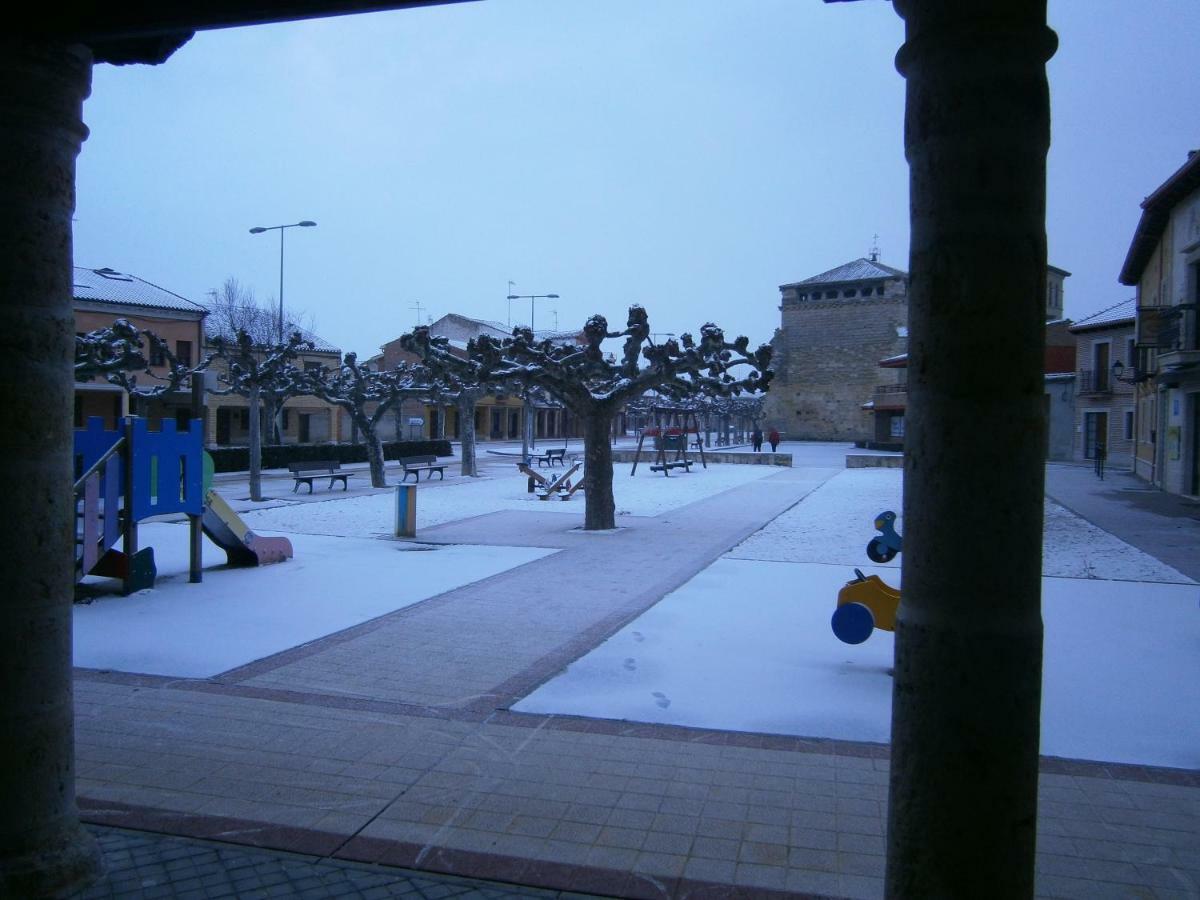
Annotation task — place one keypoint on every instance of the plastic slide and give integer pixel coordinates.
(242, 546)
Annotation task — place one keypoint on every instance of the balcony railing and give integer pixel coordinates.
(891, 396)
(1094, 381)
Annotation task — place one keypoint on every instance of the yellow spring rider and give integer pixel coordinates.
(864, 604)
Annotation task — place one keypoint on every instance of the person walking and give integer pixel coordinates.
(756, 439)
(773, 439)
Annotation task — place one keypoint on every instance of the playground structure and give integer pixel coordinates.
(558, 486)
(127, 475)
(672, 425)
(884, 546)
(868, 602)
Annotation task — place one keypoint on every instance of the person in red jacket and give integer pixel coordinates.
(773, 439)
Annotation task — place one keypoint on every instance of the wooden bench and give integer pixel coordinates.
(550, 456)
(418, 464)
(305, 472)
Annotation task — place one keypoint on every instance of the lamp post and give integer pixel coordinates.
(277, 418)
(258, 229)
(527, 435)
(531, 298)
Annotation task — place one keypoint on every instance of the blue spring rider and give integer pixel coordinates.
(885, 545)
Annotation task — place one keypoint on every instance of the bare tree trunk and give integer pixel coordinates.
(374, 444)
(396, 416)
(600, 508)
(268, 414)
(442, 409)
(466, 425)
(255, 448)
(527, 443)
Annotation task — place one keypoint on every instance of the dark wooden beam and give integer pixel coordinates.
(149, 32)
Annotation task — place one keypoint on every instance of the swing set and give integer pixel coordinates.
(671, 429)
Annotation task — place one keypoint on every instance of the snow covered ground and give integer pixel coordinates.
(238, 615)
(644, 494)
(834, 523)
(744, 645)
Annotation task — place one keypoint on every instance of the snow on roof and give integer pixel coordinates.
(484, 325)
(319, 344)
(109, 286)
(894, 362)
(861, 269)
(1118, 314)
(1059, 376)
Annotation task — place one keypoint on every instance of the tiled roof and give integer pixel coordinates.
(1156, 212)
(319, 344)
(1118, 314)
(861, 269)
(495, 329)
(109, 286)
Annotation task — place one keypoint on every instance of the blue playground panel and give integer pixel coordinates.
(168, 465)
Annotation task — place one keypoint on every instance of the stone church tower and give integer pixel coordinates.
(835, 329)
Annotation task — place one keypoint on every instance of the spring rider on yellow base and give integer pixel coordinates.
(867, 602)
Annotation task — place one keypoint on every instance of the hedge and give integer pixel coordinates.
(237, 459)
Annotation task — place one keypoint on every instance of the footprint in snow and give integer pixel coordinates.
(637, 636)
(660, 699)
(631, 663)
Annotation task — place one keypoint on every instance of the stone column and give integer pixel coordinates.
(967, 693)
(43, 849)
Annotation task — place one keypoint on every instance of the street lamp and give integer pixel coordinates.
(258, 229)
(528, 438)
(531, 298)
(1135, 374)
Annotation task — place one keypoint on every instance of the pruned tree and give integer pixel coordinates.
(595, 388)
(464, 392)
(367, 395)
(254, 372)
(232, 310)
(118, 354)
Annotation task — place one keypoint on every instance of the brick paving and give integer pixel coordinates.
(392, 744)
(145, 865)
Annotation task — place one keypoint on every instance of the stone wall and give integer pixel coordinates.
(827, 367)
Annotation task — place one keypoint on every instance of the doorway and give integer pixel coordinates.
(1095, 433)
(1193, 424)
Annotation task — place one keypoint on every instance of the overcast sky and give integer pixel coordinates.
(688, 155)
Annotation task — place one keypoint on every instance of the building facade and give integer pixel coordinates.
(1104, 402)
(101, 296)
(835, 327)
(304, 419)
(1163, 264)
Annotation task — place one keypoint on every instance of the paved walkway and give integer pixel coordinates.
(1166, 526)
(393, 743)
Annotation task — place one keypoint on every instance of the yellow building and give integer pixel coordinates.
(105, 295)
(1163, 263)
